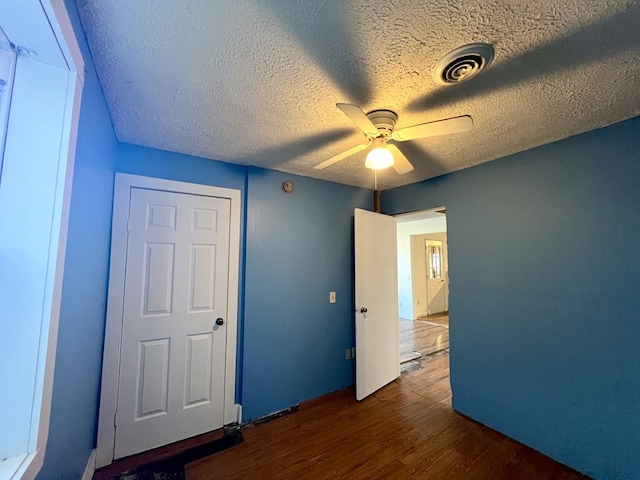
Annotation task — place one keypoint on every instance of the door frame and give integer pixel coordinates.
(115, 300)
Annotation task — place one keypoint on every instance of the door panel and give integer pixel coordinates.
(198, 384)
(153, 378)
(158, 279)
(172, 361)
(202, 278)
(377, 328)
(436, 296)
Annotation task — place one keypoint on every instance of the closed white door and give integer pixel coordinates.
(172, 357)
(376, 316)
(435, 277)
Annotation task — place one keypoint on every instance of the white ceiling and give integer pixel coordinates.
(256, 82)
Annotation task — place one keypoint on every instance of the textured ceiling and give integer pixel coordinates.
(256, 82)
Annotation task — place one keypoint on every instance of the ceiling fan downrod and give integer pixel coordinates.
(376, 193)
(376, 201)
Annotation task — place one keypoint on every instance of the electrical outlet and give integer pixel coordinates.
(347, 354)
(332, 297)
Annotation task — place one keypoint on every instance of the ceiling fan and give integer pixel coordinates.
(378, 128)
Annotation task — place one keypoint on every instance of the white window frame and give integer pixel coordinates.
(42, 31)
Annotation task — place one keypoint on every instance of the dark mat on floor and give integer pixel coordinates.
(173, 473)
(173, 468)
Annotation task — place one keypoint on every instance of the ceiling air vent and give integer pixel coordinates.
(463, 63)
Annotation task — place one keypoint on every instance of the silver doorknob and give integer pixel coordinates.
(363, 310)
(219, 321)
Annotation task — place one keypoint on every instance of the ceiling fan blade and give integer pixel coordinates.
(432, 129)
(358, 117)
(400, 164)
(341, 156)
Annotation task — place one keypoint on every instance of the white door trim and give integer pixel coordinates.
(111, 356)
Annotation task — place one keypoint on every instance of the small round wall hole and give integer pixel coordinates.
(287, 187)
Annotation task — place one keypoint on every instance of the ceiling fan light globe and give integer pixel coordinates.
(379, 159)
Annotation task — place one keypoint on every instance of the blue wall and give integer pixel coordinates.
(174, 166)
(299, 248)
(74, 404)
(544, 268)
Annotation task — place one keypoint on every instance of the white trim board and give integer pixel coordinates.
(111, 356)
(91, 466)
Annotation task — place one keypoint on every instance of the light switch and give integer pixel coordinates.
(332, 297)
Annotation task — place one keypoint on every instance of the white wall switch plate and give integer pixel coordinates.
(332, 297)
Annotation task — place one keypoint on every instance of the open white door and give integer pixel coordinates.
(377, 324)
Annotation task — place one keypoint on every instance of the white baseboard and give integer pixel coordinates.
(91, 466)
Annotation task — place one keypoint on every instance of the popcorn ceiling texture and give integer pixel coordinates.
(256, 82)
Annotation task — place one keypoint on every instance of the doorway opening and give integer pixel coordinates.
(423, 286)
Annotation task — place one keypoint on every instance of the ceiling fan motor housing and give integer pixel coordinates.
(384, 120)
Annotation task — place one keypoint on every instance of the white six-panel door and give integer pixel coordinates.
(172, 361)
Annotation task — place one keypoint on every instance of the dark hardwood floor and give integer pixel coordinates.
(407, 430)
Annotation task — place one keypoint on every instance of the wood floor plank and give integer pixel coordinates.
(438, 318)
(419, 338)
(405, 430)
